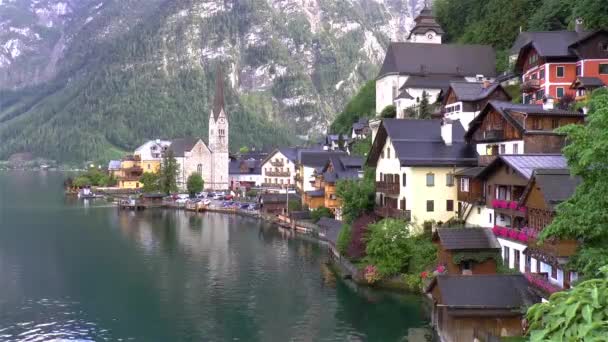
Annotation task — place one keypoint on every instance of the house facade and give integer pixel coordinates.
(129, 173)
(467, 251)
(309, 164)
(279, 169)
(151, 154)
(415, 163)
(424, 65)
(463, 101)
(246, 172)
(550, 62)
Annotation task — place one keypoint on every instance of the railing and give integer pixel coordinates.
(387, 188)
(393, 213)
(509, 207)
(530, 86)
(278, 186)
(277, 163)
(541, 282)
(278, 173)
(524, 235)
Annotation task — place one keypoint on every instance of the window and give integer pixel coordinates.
(603, 69)
(516, 258)
(534, 77)
(388, 153)
(540, 94)
(478, 211)
(149, 166)
(542, 74)
(490, 218)
(430, 179)
(449, 205)
(604, 46)
(467, 265)
(430, 206)
(381, 177)
(449, 179)
(404, 181)
(579, 70)
(554, 123)
(503, 149)
(560, 71)
(560, 92)
(199, 169)
(382, 154)
(515, 149)
(537, 124)
(554, 272)
(464, 184)
(505, 255)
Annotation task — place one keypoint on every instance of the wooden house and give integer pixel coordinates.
(479, 307)
(275, 204)
(467, 250)
(463, 101)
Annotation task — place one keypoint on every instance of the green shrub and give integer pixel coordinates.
(320, 212)
(344, 239)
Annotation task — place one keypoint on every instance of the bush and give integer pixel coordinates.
(251, 193)
(195, 183)
(389, 112)
(388, 246)
(344, 238)
(320, 212)
(356, 248)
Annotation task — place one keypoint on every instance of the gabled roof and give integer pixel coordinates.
(448, 59)
(506, 109)
(466, 238)
(404, 95)
(278, 198)
(431, 81)
(474, 91)
(525, 164)
(316, 193)
(496, 291)
(587, 82)
(245, 167)
(470, 172)
(317, 158)
(114, 165)
(419, 143)
(182, 145)
(344, 167)
(556, 185)
(290, 153)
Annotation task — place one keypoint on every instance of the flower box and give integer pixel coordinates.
(496, 230)
(504, 231)
(513, 234)
(542, 283)
(495, 203)
(513, 205)
(523, 237)
(522, 209)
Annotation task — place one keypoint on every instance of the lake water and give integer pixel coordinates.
(75, 270)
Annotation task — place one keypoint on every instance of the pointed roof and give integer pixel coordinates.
(425, 21)
(218, 101)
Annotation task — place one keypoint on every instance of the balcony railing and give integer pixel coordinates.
(387, 188)
(277, 163)
(278, 186)
(541, 282)
(530, 86)
(511, 208)
(524, 235)
(394, 213)
(278, 173)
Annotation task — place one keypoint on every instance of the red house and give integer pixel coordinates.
(551, 61)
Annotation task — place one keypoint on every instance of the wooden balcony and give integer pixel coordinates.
(386, 212)
(493, 134)
(278, 173)
(530, 86)
(278, 186)
(277, 163)
(387, 188)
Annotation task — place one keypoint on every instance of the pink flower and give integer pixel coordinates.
(522, 209)
(496, 230)
(512, 233)
(495, 203)
(522, 237)
(512, 205)
(504, 231)
(440, 268)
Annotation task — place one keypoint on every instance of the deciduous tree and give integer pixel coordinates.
(195, 183)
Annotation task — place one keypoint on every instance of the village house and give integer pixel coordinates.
(151, 154)
(479, 307)
(550, 62)
(505, 181)
(424, 65)
(545, 264)
(415, 162)
(308, 164)
(337, 167)
(276, 203)
(360, 129)
(246, 171)
(129, 173)
(508, 128)
(279, 169)
(467, 251)
(463, 101)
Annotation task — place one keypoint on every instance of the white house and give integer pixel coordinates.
(279, 169)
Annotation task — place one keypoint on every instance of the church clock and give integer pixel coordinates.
(429, 35)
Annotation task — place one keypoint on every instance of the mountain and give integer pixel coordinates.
(89, 79)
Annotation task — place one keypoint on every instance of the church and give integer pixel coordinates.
(192, 154)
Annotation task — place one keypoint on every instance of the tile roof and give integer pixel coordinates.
(467, 238)
(182, 145)
(496, 291)
(278, 198)
(317, 158)
(430, 81)
(525, 164)
(448, 59)
(549, 43)
(316, 193)
(403, 94)
(472, 91)
(557, 185)
(470, 172)
(245, 167)
(589, 82)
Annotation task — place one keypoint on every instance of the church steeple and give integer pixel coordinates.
(426, 29)
(218, 101)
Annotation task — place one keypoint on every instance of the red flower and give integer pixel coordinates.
(424, 274)
(440, 268)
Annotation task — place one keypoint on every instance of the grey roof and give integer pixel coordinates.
(419, 143)
(496, 291)
(278, 198)
(114, 165)
(361, 124)
(316, 193)
(590, 81)
(447, 59)
(245, 166)
(472, 91)
(430, 81)
(403, 94)
(332, 228)
(467, 238)
(300, 215)
(425, 21)
(525, 164)
(557, 185)
(317, 158)
(344, 167)
(182, 145)
(549, 43)
(290, 153)
(470, 172)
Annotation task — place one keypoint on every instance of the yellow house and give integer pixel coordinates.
(130, 172)
(415, 163)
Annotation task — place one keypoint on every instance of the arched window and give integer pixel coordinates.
(199, 169)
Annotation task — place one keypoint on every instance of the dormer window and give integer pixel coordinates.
(604, 46)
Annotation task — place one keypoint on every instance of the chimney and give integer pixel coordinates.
(446, 132)
(578, 25)
(548, 103)
(486, 84)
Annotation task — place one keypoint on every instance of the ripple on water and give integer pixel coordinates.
(49, 320)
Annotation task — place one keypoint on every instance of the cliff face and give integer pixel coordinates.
(117, 72)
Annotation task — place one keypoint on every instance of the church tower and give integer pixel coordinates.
(218, 136)
(427, 29)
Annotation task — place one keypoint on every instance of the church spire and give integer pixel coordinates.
(218, 101)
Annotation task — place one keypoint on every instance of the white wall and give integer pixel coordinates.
(480, 216)
(513, 246)
(424, 38)
(384, 90)
(287, 166)
(306, 177)
(416, 93)
(509, 149)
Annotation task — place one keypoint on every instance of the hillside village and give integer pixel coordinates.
(452, 158)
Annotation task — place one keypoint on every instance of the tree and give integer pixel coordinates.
(168, 173)
(81, 181)
(424, 109)
(584, 216)
(358, 196)
(320, 212)
(195, 183)
(294, 205)
(151, 182)
(362, 105)
(341, 143)
(576, 315)
(344, 237)
(244, 150)
(362, 147)
(566, 102)
(387, 246)
(389, 112)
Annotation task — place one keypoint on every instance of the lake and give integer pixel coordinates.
(76, 270)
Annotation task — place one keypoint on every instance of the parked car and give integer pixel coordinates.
(218, 196)
(211, 195)
(201, 195)
(228, 197)
(181, 200)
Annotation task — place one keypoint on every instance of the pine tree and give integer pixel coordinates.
(168, 173)
(424, 109)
